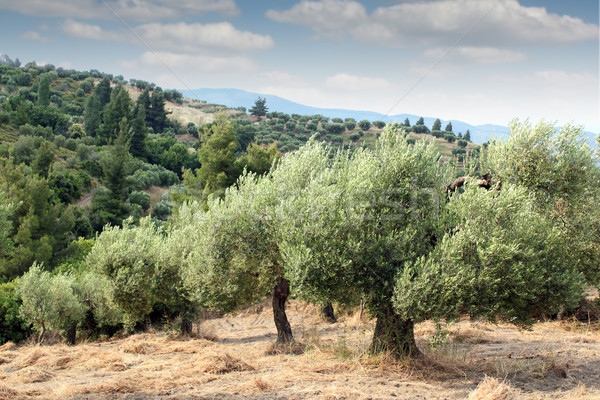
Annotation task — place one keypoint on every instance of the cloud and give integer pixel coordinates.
(177, 37)
(438, 22)
(325, 17)
(36, 37)
(138, 10)
(475, 55)
(355, 83)
(87, 31)
(185, 63)
(192, 37)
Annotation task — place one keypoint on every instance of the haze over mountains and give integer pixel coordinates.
(241, 98)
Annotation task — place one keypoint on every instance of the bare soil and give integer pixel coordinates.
(234, 357)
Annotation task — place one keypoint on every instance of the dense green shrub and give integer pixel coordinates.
(12, 327)
(140, 198)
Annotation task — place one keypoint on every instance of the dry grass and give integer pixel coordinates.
(493, 389)
(327, 361)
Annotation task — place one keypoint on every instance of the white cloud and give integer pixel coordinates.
(139, 10)
(185, 63)
(35, 36)
(178, 37)
(192, 37)
(355, 83)
(88, 31)
(325, 17)
(475, 55)
(438, 22)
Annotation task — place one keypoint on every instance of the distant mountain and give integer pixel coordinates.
(241, 98)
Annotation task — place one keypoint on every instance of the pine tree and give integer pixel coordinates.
(91, 115)
(103, 91)
(437, 125)
(114, 112)
(260, 108)
(468, 136)
(217, 156)
(144, 102)
(137, 146)
(449, 127)
(157, 114)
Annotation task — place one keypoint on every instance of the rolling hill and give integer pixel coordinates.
(242, 98)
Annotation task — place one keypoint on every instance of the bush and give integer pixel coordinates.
(162, 210)
(354, 137)
(140, 198)
(450, 138)
(462, 143)
(336, 128)
(379, 124)
(12, 327)
(350, 125)
(364, 125)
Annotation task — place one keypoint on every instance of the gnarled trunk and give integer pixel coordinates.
(71, 334)
(186, 326)
(395, 335)
(280, 295)
(328, 313)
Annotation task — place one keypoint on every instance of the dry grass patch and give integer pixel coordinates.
(493, 389)
(7, 393)
(222, 363)
(294, 347)
(31, 375)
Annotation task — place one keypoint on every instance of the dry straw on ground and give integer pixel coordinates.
(328, 361)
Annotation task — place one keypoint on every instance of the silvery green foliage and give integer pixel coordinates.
(94, 292)
(230, 256)
(561, 171)
(129, 257)
(502, 260)
(556, 166)
(49, 302)
(361, 219)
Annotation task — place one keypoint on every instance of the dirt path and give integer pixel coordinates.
(553, 361)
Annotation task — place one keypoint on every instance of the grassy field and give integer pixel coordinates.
(233, 357)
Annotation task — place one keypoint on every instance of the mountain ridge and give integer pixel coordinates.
(232, 97)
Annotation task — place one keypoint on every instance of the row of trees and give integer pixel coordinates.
(377, 226)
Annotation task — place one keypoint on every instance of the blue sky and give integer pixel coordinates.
(479, 61)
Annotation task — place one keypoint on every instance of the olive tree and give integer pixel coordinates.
(561, 172)
(49, 302)
(128, 257)
(360, 227)
(234, 256)
(501, 260)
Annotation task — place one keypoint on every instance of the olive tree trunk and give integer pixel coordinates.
(394, 335)
(280, 295)
(328, 313)
(186, 326)
(71, 334)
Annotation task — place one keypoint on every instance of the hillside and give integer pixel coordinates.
(236, 97)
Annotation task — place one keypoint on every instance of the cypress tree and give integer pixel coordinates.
(138, 133)
(44, 91)
(91, 115)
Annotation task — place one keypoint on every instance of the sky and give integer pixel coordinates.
(478, 61)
